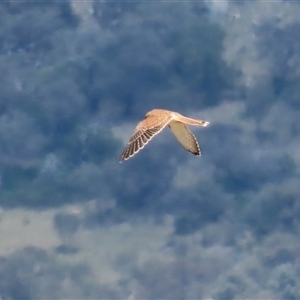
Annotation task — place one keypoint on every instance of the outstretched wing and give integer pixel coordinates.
(185, 137)
(145, 131)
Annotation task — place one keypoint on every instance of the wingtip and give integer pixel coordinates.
(122, 159)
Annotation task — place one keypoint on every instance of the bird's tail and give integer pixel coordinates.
(190, 121)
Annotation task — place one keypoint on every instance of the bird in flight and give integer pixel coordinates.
(155, 121)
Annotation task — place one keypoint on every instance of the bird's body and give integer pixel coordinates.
(155, 121)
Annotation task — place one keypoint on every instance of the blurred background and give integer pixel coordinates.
(75, 79)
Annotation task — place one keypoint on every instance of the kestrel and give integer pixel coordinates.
(155, 121)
